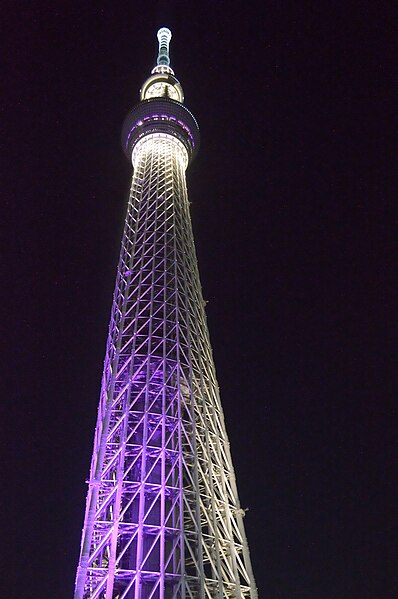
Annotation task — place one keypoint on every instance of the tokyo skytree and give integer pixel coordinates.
(163, 519)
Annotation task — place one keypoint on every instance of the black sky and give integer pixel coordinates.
(295, 227)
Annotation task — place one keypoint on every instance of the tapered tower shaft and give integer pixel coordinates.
(163, 519)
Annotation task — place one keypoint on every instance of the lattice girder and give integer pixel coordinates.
(163, 519)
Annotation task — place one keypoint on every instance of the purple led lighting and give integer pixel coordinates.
(159, 117)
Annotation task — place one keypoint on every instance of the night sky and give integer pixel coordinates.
(294, 224)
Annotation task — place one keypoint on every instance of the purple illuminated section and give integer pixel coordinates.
(156, 118)
(133, 538)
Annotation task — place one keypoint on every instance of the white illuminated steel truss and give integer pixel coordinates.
(163, 519)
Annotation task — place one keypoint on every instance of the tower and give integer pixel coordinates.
(163, 519)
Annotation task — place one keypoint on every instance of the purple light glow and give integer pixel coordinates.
(161, 117)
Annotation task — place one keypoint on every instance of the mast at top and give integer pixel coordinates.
(163, 60)
(162, 82)
(164, 37)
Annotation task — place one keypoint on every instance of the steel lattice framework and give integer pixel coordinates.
(163, 519)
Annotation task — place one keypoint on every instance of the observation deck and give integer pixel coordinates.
(160, 115)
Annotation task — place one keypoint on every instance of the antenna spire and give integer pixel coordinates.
(164, 37)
